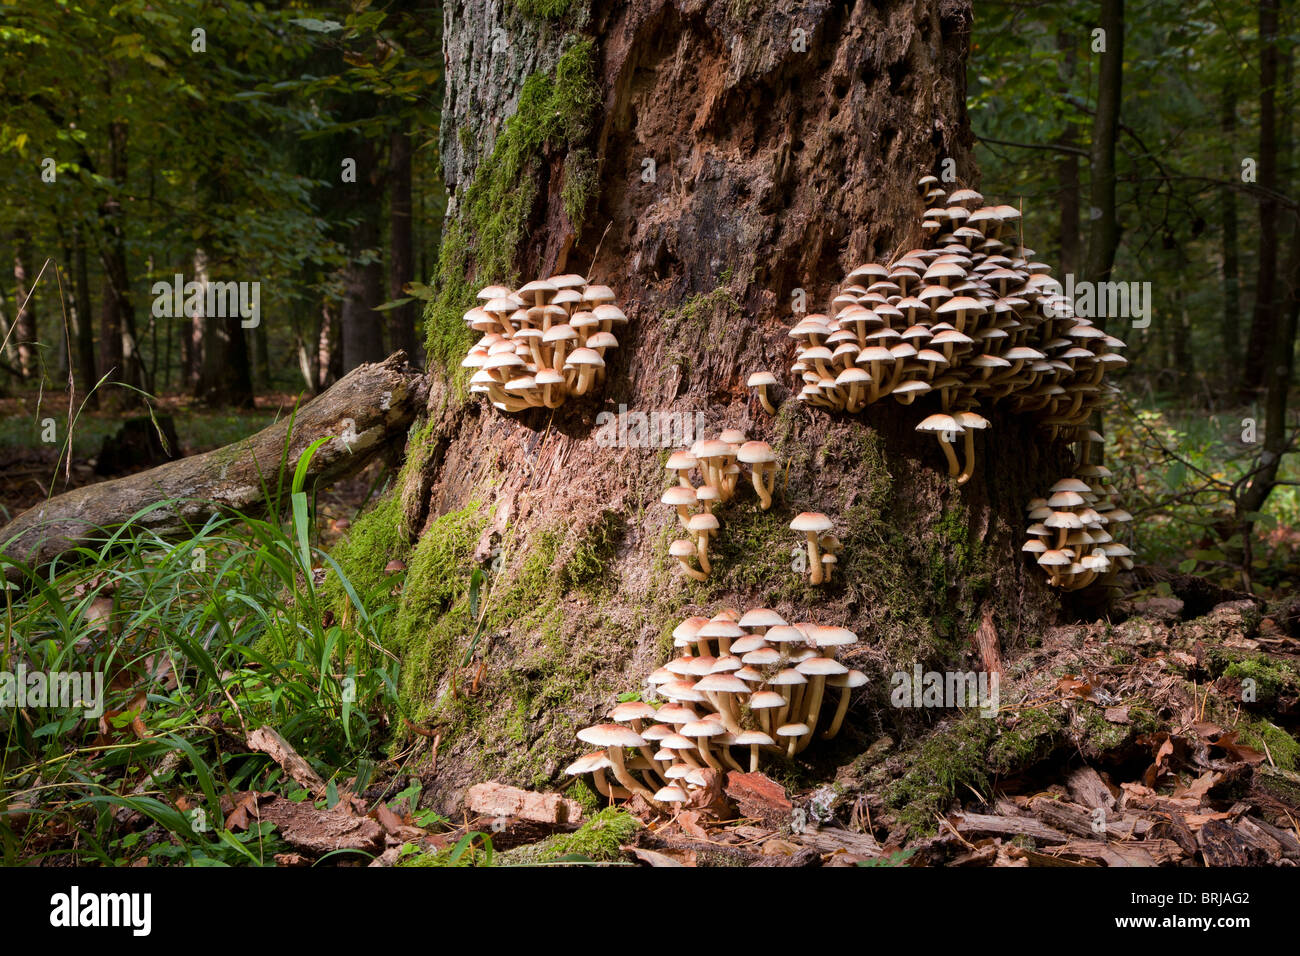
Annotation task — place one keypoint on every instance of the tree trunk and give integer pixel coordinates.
(25, 326)
(784, 150)
(1067, 169)
(119, 350)
(83, 312)
(1103, 233)
(1263, 323)
(401, 320)
(363, 275)
(1230, 327)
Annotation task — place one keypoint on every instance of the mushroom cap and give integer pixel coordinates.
(677, 742)
(828, 636)
(750, 674)
(851, 680)
(971, 420)
(792, 730)
(811, 521)
(678, 495)
(761, 378)
(761, 617)
(631, 710)
(703, 522)
(702, 728)
(787, 676)
(671, 794)
(682, 548)
(676, 714)
(1053, 558)
(756, 452)
(732, 436)
(609, 313)
(762, 657)
(713, 448)
(1071, 484)
(763, 699)
(681, 461)
(785, 633)
(939, 422)
(656, 731)
(821, 667)
(584, 356)
(611, 735)
(720, 628)
(726, 664)
(754, 738)
(603, 340)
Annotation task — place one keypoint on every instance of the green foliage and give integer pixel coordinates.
(222, 633)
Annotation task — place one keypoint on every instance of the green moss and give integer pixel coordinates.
(1273, 741)
(1270, 676)
(598, 840)
(547, 9)
(374, 539)
(968, 755)
(555, 110)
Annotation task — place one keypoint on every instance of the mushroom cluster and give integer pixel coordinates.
(718, 462)
(542, 342)
(1069, 534)
(972, 318)
(740, 686)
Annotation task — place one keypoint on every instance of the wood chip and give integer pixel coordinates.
(496, 800)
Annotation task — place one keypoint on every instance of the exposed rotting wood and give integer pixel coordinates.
(982, 823)
(494, 799)
(267, 740)
(363, 413)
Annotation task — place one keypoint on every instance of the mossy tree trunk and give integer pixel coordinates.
(784, 145)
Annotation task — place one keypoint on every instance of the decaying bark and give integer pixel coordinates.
(361, 414)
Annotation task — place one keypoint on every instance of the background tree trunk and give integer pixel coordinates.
(786, 148)
(1263, 323)
(25, 327)
(401, 321)
(363, 275)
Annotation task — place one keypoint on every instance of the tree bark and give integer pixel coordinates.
(1067, 170)
(361, 414)
(1263, 323)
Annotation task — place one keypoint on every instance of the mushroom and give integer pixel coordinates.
(817, 669)
(946, 427)
(793, 732)
(614, 738)
(763, 381)
(753, 739)
(969, 422)
(680, 497)
(596, 763)
(762, 461)
(702, 525)
(683, 549)
(812, 524)
(847, 684)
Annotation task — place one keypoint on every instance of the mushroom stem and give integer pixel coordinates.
(814, 558)
(605, 789)
(840, 710)
(584, 380)
(730, 761)
(697, 575)
(969, 447)
(626, 779)
(766, 402)
(759, 477)
(946, 444)
(753, 758)
(814, 709)
(702, 552)
(703, 744)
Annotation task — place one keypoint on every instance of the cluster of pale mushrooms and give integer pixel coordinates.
(1070, 535)
(823, 547)
(718, 462)
(740, 683)
(542, 342)
(971, 318)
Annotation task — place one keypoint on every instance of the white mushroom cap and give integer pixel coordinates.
(610, 735)
(811, 521)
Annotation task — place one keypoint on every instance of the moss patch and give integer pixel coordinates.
(598, 840)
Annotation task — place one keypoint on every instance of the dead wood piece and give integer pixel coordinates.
(706, 854)
(360, 415)
(830, 839)
(317, 832)
(760, 798)
(1123, 852)
(1087, 788)
(1072, 818)
(1222, 844)
(968, 823)
(498, 800)
(267, 740)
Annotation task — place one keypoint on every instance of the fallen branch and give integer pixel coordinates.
(361, 414)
